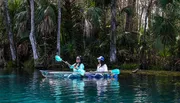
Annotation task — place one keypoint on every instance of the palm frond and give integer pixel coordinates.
(127, 10)
(163, 27)
(163, 3)
(94, 14)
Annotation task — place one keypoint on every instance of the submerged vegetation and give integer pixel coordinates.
(130, 34)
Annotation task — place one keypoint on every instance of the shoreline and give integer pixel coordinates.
(153, 72)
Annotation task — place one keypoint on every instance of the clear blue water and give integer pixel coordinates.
(128, 89)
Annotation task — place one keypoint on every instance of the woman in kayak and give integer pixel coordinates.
(101, 67)
(78, 67)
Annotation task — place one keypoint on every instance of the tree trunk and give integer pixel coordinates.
(9, 30)
(178, 52)
(147, 14)
(113, 32)
(141, 19)
(59, 28)
(104, 19)
(28, 16)
(31, 36)
(143, 55)
(129, 16)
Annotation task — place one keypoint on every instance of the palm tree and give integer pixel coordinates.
(31, 36)
(164, 26)
(45, 26)
(144, 46)
(113, 32)
(9, 30)
(59, 28)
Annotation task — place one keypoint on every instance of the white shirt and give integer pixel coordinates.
(103, 68)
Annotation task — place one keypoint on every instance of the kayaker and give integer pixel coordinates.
(101, 67)
(78, 67)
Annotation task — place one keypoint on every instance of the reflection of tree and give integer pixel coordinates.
(65, 89)
(165, 88)
(150, 88)
(140, 88)
(104, 86)
(55, 87)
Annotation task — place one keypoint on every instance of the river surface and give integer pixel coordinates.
(129, 88)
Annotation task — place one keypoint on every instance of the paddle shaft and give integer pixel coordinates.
(66, 63)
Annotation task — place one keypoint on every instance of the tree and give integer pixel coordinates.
(164, 26)
(59, 28)
(32, 36)
(113, 32)
(143, 60)
(9, 30)
(130, 14)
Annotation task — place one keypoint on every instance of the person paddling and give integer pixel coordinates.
(78, 67)
(101, 67)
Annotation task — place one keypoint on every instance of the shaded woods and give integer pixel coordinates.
(128, 33)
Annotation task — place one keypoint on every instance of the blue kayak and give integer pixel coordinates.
(73, 75)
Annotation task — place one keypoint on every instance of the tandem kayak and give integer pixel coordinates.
(68, 74)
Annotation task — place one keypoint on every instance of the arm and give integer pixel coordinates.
(71, 66)
(98, 67)
(105, 68)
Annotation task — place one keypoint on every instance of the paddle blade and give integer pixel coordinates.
(115, 71)
(58, 58)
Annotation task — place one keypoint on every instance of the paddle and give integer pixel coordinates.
(59, 59)
(114, 71)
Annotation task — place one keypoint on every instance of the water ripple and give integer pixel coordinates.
(19, 89)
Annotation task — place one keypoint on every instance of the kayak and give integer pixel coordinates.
(73, 75)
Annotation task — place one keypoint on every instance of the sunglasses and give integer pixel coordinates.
(77, 58)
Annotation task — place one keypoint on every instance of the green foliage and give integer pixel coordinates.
(100, 3)
(94, 15)
(127, 10)
(129, 66)
(164, 3)
(85, 30)
(10, 64)
(128, 39)
(13, 6)
(177, 84)
(165, 29)
(156, 67)
(29, 65)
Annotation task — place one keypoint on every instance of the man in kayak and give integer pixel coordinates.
(101, 67)
(78, 67)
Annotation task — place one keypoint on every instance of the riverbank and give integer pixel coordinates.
(153, 72)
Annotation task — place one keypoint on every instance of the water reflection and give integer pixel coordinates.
(101, 86)
(82, 90)
(128, 89)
